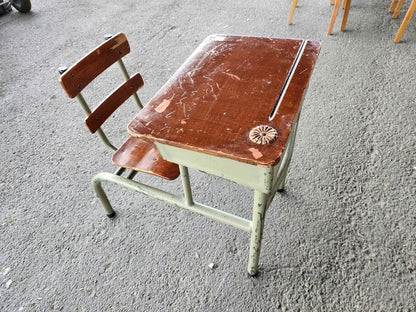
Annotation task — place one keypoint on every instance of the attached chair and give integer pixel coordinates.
(136, 154)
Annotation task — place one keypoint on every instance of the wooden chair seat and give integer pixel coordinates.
(141, 155)
(136, 153)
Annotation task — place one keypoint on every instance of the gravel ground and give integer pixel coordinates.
(342, 237)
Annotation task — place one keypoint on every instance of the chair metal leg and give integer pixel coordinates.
(287, 156)
(102, 196)
(282, 180)
(100, 133)
(257, 224)
(126, 77)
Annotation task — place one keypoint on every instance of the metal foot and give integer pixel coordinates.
(112, 215)
(255, 275)
(99, 192)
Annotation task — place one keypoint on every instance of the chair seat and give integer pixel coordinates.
(141, 155)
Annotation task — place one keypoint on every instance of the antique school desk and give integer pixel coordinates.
(231, 110)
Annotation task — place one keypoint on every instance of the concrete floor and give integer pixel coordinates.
(342, 237)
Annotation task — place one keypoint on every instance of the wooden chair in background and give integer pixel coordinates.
(136, 154)
(337, 4)
(395, 7)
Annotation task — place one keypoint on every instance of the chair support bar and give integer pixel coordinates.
(127, 77)
(99, 132)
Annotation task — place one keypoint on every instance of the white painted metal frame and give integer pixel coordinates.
(264, 181)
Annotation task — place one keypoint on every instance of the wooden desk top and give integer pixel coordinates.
(228, 86)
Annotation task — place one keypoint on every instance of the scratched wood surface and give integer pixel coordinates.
(141, 154)
(76, 78)
(228, 86)
(109, 105)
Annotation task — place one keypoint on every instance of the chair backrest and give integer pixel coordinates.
(76, 78)
(81, 74)
(112, 102)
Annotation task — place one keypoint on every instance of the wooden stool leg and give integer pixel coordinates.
(392, 6)
(406, 21)
(334, 15)
(398, 8)
(344, 4)
(332, 2)
(345, 16)
(292, 10)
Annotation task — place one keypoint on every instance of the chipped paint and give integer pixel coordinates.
(217, 37)
(255, 152)
(183, 122)
(162, 106)
(118, 43)
(169, 115)
(232, 76)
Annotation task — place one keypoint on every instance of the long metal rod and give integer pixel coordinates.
(99, 132)
(207, 211)
(127, 77)
(288, 79)
(259, 210)
(186, 185)
(83, 104)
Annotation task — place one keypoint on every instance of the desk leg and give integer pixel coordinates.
(186, 185)
(257, 224)
(287, 156)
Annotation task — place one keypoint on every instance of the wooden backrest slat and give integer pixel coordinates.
(76, 78)
(112, 102)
